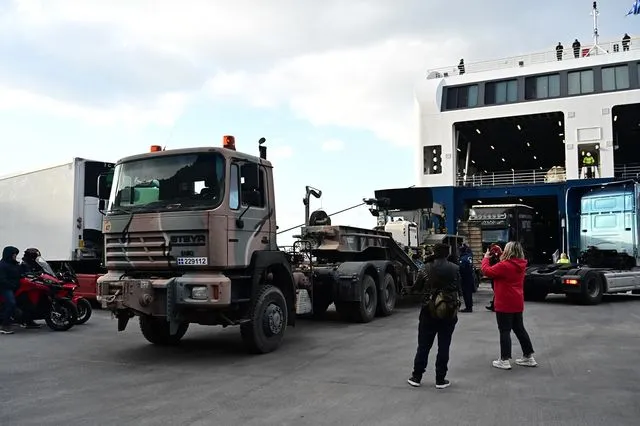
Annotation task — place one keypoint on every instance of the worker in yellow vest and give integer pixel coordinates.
(589, 167)
(563, 259)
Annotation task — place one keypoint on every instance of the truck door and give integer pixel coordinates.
(249, 227)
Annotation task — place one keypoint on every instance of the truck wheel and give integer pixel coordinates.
(268, 321)
(365, 310)
(321, 301)
(537, 295)
(156, 330)
(387, 296)
(593, 290)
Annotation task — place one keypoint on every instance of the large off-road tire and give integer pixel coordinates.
(156, 330)
(387, 296)
(321, 301)
(365, 310)
(268, 321)
(84, 311)
(594, 290)
(63, 315)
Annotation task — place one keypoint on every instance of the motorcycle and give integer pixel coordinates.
(40, 297)
(69, 286)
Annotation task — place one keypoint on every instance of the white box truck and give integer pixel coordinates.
(56, 210)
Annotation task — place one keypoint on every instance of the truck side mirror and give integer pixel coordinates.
(105, 182)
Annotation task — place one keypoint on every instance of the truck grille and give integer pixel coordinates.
(140, 247)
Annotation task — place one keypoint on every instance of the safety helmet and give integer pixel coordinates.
(31, 254)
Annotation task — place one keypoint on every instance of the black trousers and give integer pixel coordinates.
(507, 323)
(467, 293)
(428, 329)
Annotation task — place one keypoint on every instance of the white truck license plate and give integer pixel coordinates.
(192, 261)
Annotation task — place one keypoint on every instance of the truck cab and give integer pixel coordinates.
(190, 237)
(501, 223)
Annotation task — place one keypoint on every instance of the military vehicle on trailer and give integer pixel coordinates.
(190, 237)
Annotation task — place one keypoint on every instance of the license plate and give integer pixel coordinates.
(192, 261)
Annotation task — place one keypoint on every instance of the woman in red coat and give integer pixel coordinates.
(508, 290)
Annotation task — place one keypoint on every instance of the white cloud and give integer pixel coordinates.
(162, 111)
(368, 88)
(333, 145)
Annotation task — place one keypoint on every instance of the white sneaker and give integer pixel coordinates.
(502, 364)
(527, 362)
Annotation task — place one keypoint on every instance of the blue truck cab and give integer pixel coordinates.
(603, 240)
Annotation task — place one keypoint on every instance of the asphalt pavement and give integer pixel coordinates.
(330, 372)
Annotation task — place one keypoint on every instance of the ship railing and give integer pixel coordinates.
(514, 177)
(627, 171)
(535, 58)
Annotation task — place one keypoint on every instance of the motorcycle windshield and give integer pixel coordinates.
(45, 266)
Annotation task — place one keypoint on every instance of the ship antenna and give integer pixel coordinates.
(596, 47)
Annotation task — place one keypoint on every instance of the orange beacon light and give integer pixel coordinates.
(229, 142)
(156, 148)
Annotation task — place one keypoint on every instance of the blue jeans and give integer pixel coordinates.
(428, 329)
(8, 306)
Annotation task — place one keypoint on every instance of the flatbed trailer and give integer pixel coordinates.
(362, 271)
(608, 262)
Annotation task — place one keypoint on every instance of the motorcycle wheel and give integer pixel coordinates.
(84, 311)
(63, 315)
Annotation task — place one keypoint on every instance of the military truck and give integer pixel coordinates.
(190, 237)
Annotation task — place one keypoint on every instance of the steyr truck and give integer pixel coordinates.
(190, 237)
(603, 228)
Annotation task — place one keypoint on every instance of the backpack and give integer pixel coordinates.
(444, 305)
(444, 302)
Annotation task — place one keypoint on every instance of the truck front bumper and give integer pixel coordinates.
(150, 296)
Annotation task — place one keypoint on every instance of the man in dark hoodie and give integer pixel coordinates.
(438, 275)
(9, 283)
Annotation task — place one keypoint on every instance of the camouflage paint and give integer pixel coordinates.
(149, 248)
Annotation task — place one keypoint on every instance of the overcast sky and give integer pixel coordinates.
(328, 83)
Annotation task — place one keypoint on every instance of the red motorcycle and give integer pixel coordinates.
(40, 296)
(69, 286)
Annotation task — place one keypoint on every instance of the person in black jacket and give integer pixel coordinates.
(438, 275)
(9, 283)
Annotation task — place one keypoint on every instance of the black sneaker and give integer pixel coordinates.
(442, 384)
(414, 381)
(466, 310)
(6, 330)
(489, 308)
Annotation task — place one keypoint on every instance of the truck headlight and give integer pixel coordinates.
(199, 293)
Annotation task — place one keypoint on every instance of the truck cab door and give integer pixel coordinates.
(249, 224)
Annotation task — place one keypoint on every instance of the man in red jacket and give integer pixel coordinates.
(508, 288)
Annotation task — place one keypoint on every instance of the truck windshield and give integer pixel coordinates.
(187, 181)
(495, 235)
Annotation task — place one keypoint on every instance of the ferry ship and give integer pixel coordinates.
(530, 129)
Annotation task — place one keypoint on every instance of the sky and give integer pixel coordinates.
(328, 83)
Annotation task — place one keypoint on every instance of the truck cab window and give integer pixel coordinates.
(252, 186)
(234, 190)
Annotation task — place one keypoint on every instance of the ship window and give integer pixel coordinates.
(501, 92)
(542, 87)
(432, 159)
(580, 82)
(615, 78)
(462, 97)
